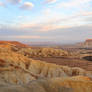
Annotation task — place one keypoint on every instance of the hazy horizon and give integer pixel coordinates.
(47, 42)
(61, 21)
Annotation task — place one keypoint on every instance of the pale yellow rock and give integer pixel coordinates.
(70, 84)
(19, 69)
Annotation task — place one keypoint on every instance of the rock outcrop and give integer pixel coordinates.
(70, 84)
(88, 42)
(16, 43)
(19, 69)
(18, 73)
(43, 52)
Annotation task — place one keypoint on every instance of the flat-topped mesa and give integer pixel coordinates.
(88, 42)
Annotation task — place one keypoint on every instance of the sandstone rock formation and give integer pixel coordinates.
(88, 42)
(18, 73)
(52, 85)
(13, 65)
(43, 52)
(16, 43)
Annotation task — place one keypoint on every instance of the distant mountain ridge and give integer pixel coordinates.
(43, 43)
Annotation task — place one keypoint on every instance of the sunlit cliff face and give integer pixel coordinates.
(88, 41)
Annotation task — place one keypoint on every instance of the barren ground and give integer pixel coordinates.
(73, 62)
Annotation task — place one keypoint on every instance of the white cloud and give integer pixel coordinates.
(50, 1)
(45, 27)
(47, 11)
(2, 4)
(84, 13)
(14, 1)
(20, 16)
(75, 3)
(27, 6)
(59, 23)
(22, 37)
(25, 37)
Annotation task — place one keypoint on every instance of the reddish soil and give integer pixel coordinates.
(2, 63)
(19, 44)
(69, 62)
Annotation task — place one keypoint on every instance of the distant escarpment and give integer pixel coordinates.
(86, 44)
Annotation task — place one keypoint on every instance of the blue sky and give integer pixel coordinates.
(61, 21)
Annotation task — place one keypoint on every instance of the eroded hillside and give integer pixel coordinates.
(20, 73)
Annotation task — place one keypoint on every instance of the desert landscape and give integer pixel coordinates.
(45, 45)
(24, 68)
